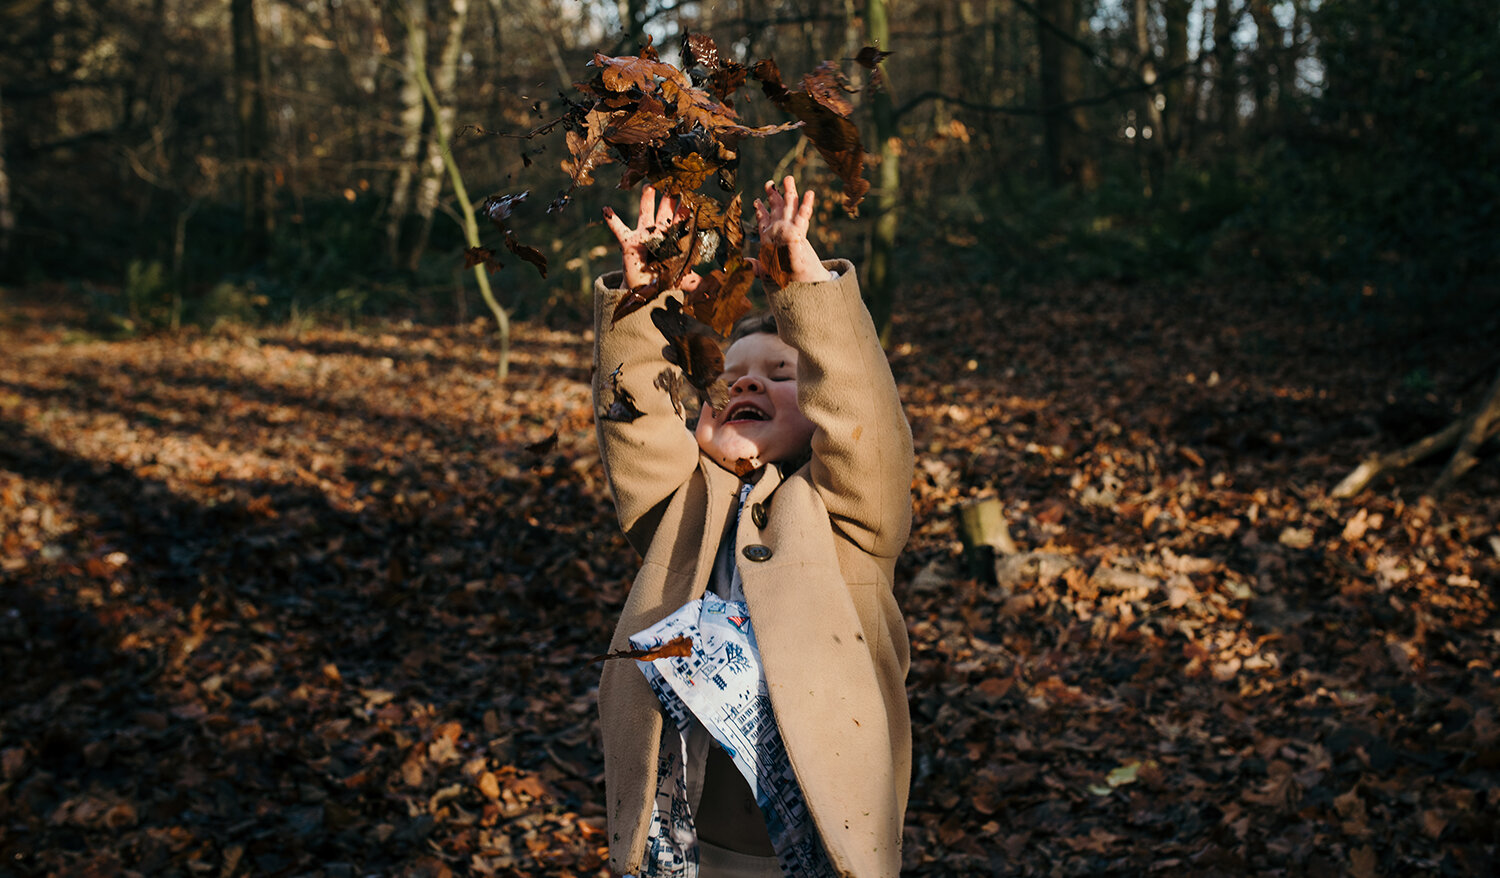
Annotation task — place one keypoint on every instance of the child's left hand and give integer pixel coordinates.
(783, 220)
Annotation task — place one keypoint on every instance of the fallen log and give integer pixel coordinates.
(1468, 433)
(1481, 426)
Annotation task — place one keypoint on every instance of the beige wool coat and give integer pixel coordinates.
(817, 550)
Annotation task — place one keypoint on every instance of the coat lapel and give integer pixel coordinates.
(723, 493)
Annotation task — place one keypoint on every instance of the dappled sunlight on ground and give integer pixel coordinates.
(324, 600)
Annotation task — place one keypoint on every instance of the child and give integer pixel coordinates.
(814, 417)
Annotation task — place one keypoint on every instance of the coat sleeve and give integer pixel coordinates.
(646, 458)
(862, 450)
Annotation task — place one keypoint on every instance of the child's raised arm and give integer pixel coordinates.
(643, 440)
(862, 449)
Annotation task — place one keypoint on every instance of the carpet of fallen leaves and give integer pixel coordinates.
(305, 603)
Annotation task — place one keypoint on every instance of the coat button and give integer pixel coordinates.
(758, 514)
(757, 552)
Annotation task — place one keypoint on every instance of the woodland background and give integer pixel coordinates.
(294, 583)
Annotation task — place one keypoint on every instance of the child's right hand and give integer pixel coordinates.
(650, 220)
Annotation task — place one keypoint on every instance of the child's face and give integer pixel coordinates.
(762, 422)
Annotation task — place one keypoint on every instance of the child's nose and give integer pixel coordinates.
(747, 384)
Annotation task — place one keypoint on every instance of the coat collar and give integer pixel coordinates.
(723, 493)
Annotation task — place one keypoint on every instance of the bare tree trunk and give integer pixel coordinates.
(443, 80)
(1194, 102)
(537, 21)
(880, 283)
(1266, 76)
(1179, 98)
(1153, 133)
(250, 76)
(1065, 129)
(7, 214)
(356, 30)
(1226, 88)
(1279, 58)
(940, 56)
(470, 221)
(413, 17)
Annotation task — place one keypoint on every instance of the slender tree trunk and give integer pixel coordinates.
(357, 31)
(1263, 75)
(537, 20)
(1065, 130)
(1152, 128)
(1179, 107)
(470, 221)
(1193, 103)
(413, 15)
(1275, 74)
(7, 214)
(1226, 89)
(1054, 127)
(250, 76)
(940, 58)
(880, 283)
(443, 81)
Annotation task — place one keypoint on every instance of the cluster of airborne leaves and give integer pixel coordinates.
(675, 129)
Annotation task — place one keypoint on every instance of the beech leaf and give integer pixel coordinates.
(677, 647)
(482, 256)
(722, 297)
(623, 73)
(526, 252)
(870, 57)
(832, 134)
(694, 348)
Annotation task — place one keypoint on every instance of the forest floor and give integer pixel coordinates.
(286, 602)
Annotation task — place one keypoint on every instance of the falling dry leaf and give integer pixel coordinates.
(543, 446)
(677, 647)
(870, 57)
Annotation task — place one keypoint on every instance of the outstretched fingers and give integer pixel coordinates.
(666, 212)
(774, 200)
(615, 225)
(789, 191)
(645, 216)
(805, 209)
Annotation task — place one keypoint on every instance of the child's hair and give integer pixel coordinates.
(753, 324)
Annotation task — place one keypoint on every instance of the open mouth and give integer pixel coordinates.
(745, 411)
